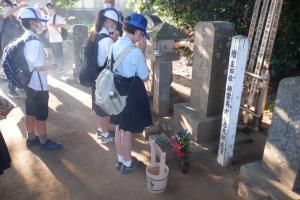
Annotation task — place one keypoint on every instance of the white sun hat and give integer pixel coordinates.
(30, 13)
(112, 14)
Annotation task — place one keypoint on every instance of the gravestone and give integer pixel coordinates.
(161, 54)
(80, 35)
(281, 159)
(202, 115)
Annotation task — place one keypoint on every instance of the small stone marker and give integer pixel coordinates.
(235, 77)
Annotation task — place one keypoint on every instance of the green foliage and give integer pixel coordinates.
(286, 53)
(185, 14)
(64, 3)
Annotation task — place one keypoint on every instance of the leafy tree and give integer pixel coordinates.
(186, 13)
(64, 3)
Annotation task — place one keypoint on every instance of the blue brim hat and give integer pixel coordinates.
(140, 22)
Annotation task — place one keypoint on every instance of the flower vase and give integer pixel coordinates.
(185, 167)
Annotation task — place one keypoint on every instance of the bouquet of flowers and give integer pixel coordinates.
(180, 144)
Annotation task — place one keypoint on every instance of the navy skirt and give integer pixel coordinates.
(4, 155)
(136, 114)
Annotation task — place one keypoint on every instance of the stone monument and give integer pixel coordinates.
(202, 115)
(278, 172)
(80, 35)
(161, 54)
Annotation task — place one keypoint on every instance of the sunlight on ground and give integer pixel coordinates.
(81, 96)
(92, 135)
(54, 102)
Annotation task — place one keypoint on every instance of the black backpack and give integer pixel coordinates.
(88, 68)
(15, 66)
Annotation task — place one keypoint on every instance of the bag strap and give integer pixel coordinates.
(120, 58)
(54, 19)
(34, 70)
(40, 80)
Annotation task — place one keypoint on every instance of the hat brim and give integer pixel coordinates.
(42, 19)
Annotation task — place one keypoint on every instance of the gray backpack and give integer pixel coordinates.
(107, 96)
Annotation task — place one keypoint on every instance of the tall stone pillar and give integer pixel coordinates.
(202, 115)
(161, 53)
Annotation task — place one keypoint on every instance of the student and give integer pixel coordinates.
(10, 30)
(44, 36)
(129, 78)
(37, 93)
(106, 23)
(54, 25)
(119, 31)
(109, 4)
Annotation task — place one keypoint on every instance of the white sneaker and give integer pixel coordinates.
(108, 139)
(99, 134)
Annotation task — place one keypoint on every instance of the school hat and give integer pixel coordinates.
(30, 13)
(111, 13)
(138, 21)
(50, 4)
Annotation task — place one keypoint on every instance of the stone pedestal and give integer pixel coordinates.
(256, 183)
(161, 54)
(281, 159)
(202, 115)
(190, 118)
(80, 35)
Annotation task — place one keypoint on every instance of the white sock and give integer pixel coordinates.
(99, 129)
(105, 134)
(120, 158)
(127, 163)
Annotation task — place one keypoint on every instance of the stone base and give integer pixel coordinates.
(255, 183)
(203, 128)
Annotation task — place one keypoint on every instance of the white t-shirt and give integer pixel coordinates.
(104, 46)
(134, 63)
(54, 33)
(35, 57)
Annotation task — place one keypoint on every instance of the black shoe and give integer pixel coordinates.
(30, 143)
(127, 170)
(119, 166)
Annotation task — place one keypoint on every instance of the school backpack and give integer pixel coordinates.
(106, 95)
(88, 67)
(15, 66)
(63, 32)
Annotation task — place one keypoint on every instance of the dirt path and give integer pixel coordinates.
(84, 169)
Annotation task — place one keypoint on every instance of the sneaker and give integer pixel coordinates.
(13, 94)
(99, 134)
(119, 166)
(50, 146)
(108, 139)
(127, 170)
(30, 143)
